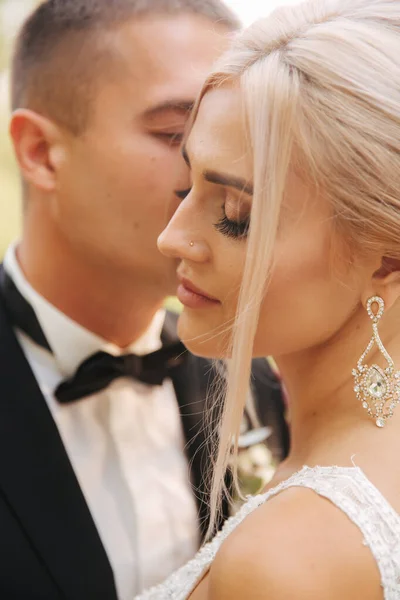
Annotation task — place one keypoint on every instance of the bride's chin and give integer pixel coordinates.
(201, 339)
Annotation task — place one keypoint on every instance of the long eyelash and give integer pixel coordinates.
(233, 229)
(176, 138)
(173, 139)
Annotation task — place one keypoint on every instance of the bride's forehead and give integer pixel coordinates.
(221, 109)
(218, 132)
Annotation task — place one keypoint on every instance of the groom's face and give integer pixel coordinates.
(118, 184)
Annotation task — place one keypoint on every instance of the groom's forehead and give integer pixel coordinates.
(66, 50)
(162, 65)
(65, 85)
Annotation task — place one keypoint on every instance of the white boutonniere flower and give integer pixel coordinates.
(256, 465)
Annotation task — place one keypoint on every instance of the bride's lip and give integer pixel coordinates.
(193, 297)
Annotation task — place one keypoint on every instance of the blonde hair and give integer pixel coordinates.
(320, 84)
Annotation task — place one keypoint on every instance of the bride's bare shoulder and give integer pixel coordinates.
(297, 545)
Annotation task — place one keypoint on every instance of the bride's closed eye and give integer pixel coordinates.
(235, 221)
(233, 229)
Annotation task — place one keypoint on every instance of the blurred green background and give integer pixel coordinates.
(12, 13)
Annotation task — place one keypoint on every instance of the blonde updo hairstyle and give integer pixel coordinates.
(320, 84)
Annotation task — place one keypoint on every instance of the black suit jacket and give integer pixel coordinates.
(49, 546)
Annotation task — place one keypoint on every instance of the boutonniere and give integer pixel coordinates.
(256, 465)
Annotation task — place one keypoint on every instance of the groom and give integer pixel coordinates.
(102, 449)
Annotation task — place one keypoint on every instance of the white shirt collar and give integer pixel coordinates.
(70, 342)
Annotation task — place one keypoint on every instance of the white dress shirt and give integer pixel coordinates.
(125, 444)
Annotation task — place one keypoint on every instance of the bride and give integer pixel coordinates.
(289, 245)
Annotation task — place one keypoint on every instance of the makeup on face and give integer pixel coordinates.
(238, 227)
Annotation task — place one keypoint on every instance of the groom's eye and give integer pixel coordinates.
(181, 194)
(170, 138)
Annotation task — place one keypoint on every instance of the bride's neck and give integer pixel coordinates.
(323, 407)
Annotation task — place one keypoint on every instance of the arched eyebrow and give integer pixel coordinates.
(237, 183)
(229, 181)
(169, 106)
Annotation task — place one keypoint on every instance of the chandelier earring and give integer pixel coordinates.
(378, 389)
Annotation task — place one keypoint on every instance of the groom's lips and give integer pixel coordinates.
(193, 297)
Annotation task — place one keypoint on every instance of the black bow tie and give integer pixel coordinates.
(98, 371)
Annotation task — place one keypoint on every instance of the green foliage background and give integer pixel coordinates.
(11, 14)
(10, 206)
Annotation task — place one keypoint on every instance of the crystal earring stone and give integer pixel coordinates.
(376, 383)
(378, 389)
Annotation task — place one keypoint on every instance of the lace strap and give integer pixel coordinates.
(352, 492)
(346, 487)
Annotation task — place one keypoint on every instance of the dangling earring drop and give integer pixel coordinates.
(377, 389)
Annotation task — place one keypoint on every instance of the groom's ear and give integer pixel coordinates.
(385, 281)
(39, 149)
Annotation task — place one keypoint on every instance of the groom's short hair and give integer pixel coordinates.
(61, 50)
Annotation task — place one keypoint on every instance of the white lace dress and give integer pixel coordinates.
(346, 487)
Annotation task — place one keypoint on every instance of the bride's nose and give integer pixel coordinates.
(182, 238)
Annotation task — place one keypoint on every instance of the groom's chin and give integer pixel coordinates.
(203, 335)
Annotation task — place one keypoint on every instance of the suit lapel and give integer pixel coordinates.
(193, 379)
(38, 481)
(190, 379)
(188, 389)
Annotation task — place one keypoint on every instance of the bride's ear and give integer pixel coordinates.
(385, 282)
